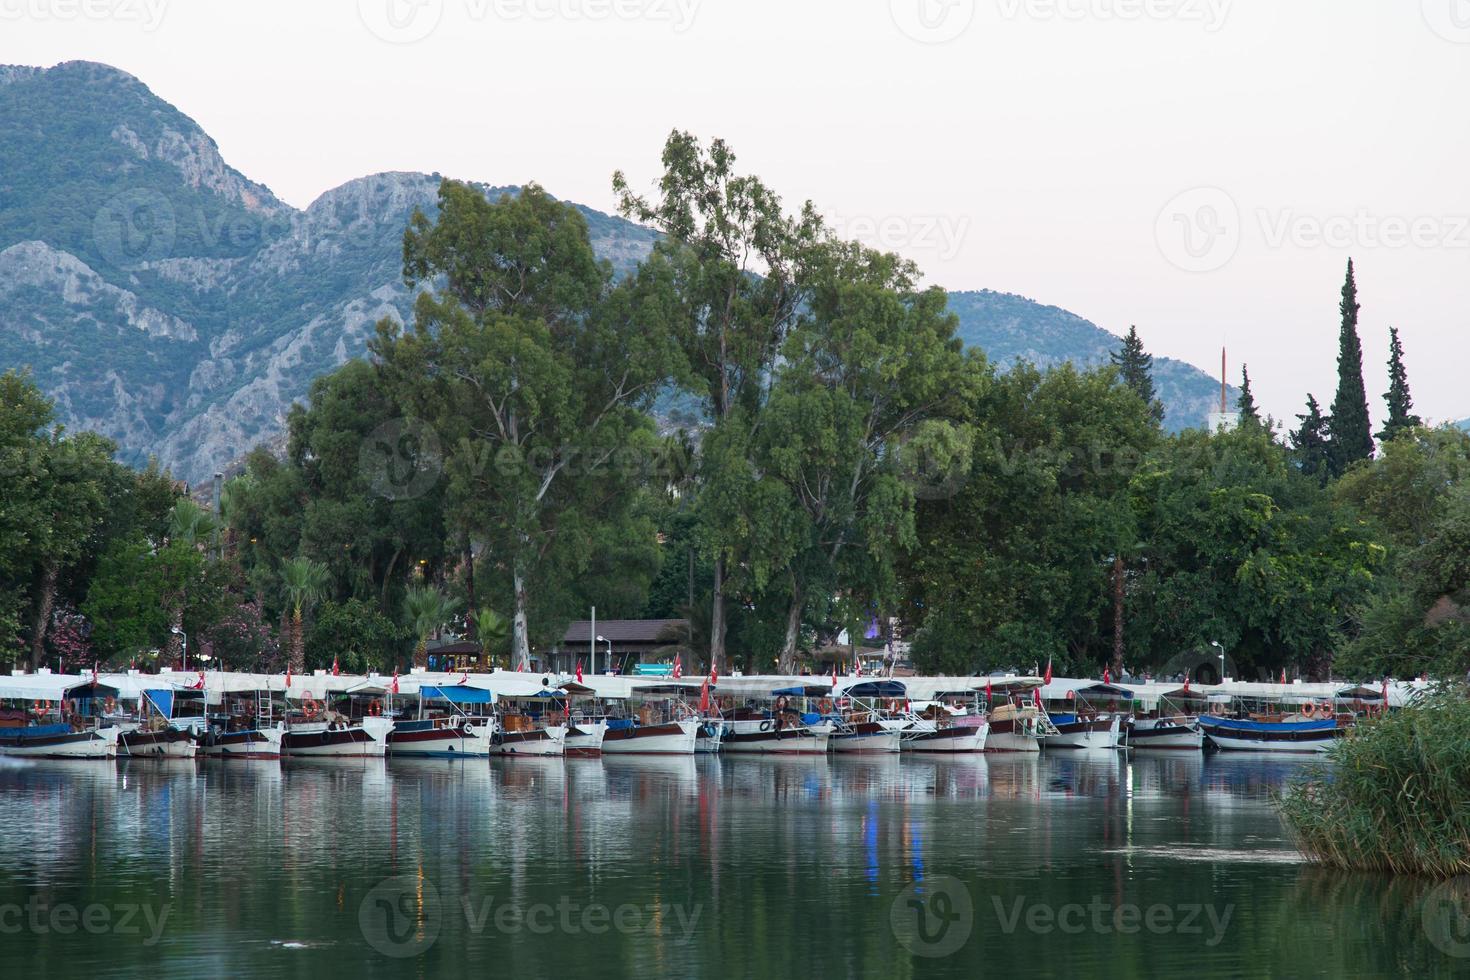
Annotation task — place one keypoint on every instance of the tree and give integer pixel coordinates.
(303, 583)
(1135, 367)
(355, 635)
(1401, 417)
(491, 632)
(732, 259)
(872, 365)
(536, 372)
(428, 611)
(1310, 445)
(1246, 405)
(1351, 432)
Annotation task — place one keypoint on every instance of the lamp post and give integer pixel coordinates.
(603, 639)
(179, 632)
(1217, 645)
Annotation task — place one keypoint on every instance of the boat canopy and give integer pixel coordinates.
(52, 687)
(876, 690)
(803, 691)
(1071, 688)
(458, 694)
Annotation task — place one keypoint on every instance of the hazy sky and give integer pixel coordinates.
(1202, 168)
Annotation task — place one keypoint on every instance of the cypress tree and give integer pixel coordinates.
(1246, 405)
(1135, 368)
(1309, 442)
(1401, 415)
(1352, 437)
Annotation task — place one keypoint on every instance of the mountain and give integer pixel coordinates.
(1012, 328)
(168, 301)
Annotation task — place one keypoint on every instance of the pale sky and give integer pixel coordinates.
(1202, 168)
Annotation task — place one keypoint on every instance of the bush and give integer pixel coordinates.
(1393, 796)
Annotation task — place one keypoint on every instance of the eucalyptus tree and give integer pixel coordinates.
(535, 371)
(733, 259)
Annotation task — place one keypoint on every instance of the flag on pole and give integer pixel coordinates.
(288, 677)
(834, 675)
(94, 672)
(1107, 676)
(393, 688)
(857, 666)
(521, 667)
(1283, 675)
(1186, 683)
(336, 671)
(714, 674)
(988, 692)
(579, 671)
(678, 666)
(704, 697)
(199, 686)
(1036, 696)
(1048, 670)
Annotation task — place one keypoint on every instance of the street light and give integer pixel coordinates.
(178, 631)
(603, 639)
(1217, 645)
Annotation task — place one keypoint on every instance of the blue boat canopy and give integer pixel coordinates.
(162, 700)
(459, 694)
(877, 689)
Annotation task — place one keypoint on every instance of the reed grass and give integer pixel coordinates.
(1393, 797)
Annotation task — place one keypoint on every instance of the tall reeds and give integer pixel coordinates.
(1395, 795)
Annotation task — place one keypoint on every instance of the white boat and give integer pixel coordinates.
(1102, 732)
(445, 727)
(548, 741)
(56, 716)
(968, 733)
(584, 738)
(866, 738)
(59, 742)
(1014, 728)
(263, 742)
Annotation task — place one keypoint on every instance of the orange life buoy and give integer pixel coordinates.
(826, 706)
(1309, 710)
(309, 707)
(375, 707)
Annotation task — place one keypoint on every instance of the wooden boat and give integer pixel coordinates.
(584, 738)
(1173, 733)
(1293, 734)
(452, 722)
(629, 736)
(262, 742)
(1082, 731)
(157, 736)
(787, 725)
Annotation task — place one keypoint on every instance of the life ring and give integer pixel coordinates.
(766, 725)
(1309, 710)
(375, 707)
(309, 707)
(826, 706)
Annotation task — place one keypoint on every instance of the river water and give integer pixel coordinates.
(1090, 865)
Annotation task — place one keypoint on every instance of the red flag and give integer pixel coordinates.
(1036, 695)
(336, 672)
(94, 672)
(1186, 683)
(579, 671)
(857, 665)
(1107, 676)
(678, 666)
(393, 689)
(200, 685)
(521, 667)
(288, 677)
(1283, 675)
(1385, 692)
(704, 698)
(1048, 670)
(834, 675)
(988, 692)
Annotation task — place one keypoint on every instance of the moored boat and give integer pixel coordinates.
(452, 722)
(56, 716)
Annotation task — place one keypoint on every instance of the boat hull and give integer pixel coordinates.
(324, 742)
(170, 743)
(1009, 736)
(868, 738)
(1294, 739)
(584, 739)
(61, 745)
(953, 740)
(257, 743)
(1099, 733)
(440, 743)
(539, 742)
(711, 734)
(1161, 738)
(674, 738)
(788, 741)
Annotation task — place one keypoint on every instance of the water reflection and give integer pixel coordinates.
(734, 866)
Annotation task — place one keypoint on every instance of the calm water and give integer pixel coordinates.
(1058, 866)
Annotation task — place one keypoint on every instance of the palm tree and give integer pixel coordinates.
(304, 582)
(428, 610)
(492, 630)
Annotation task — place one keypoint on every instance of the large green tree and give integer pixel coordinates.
(1136, 368)
(535, 371)
(732, 259)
